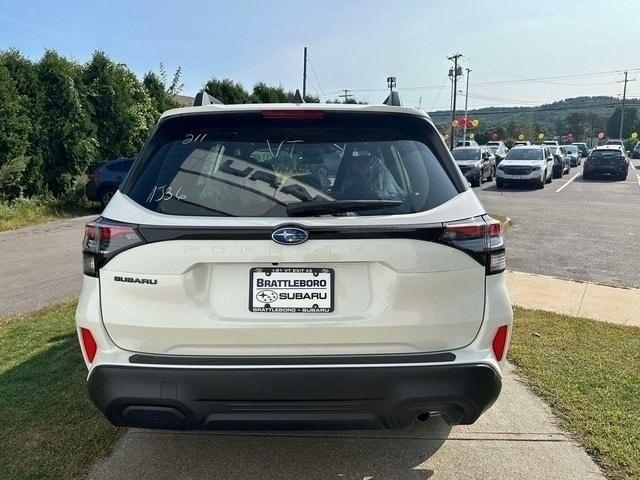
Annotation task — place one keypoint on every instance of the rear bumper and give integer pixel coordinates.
(291, 398)
(602, 169)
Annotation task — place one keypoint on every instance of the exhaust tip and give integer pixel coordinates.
(423, 417)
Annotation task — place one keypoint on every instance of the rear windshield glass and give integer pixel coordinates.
(524, 154)
(247, 165)
(466, 153)
(606, 153)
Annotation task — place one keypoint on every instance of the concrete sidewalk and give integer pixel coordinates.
(580, 299)
(516, 439)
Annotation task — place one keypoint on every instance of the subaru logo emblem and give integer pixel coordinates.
(289, 236)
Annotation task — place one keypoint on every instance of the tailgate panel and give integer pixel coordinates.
(391, 296)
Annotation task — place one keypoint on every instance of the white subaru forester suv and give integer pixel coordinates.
(293, 266)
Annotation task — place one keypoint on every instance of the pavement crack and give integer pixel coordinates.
(584, 292)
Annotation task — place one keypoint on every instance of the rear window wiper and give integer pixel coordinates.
(336, 206)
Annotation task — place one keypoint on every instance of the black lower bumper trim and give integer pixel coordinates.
(291, 398)
(145, 359)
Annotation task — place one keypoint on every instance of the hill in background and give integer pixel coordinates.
(548, 116)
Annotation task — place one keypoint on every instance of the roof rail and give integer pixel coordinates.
(297, 98)
(393, 99)
(203, 98)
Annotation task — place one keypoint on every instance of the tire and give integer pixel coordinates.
(556, 173)
(623, 176)
(543, 180)
(499, 183)
(585, 176)
(492, 174)
(106, 195)
(477, 181)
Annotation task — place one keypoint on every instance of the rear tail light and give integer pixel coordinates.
(480, 237)
(89, 344)
(103, 240)
(499, 343)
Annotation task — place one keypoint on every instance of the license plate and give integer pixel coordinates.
(291, 290)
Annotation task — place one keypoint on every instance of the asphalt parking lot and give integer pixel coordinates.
(573, 228)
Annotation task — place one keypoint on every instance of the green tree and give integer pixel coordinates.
(227, 91)
(27, 85)
(69, 143)
(576, 124)
(630, 122)
(14, 133)
(120, 107)
(263, 93)
(161, 91)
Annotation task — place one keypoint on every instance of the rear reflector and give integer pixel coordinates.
(500, 342)
(89, 344)
(294, 114)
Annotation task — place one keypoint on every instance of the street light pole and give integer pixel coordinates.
(466, 104)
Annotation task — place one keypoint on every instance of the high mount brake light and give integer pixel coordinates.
(480, 237)
(293, 114)
(103, 240)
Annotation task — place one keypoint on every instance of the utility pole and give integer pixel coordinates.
(391, 82)
(346, 95)
(304, 75)
(455, 72)
(466, 104)
(624, 97)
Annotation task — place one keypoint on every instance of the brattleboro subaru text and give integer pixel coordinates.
(293, 266)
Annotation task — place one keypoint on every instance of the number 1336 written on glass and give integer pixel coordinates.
(160, 193)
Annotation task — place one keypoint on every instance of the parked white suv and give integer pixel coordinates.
(235, 281)
(526, 164)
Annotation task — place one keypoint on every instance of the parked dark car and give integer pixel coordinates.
(606, 159)
(476, 163)
(573, 152)
(105, 178)
(584, 151)
(635, 153)
(561, 163)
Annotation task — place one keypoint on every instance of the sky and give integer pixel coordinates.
(519, 53)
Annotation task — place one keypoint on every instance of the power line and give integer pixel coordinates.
(492, 69)
(507, 82)
(438, 95)
(313, 70)
(519, 110)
